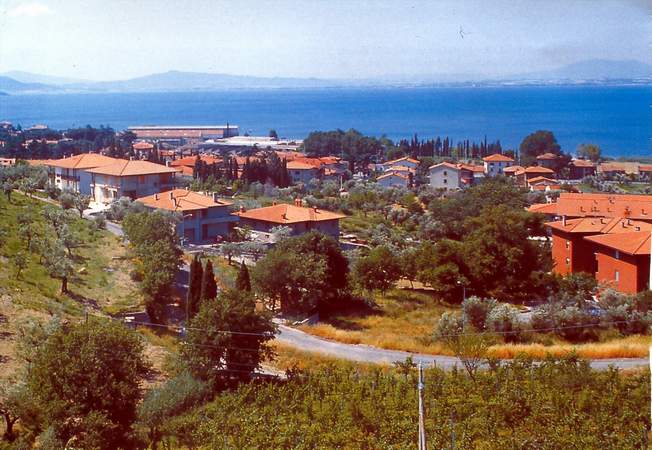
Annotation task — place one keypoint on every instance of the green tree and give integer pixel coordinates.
(208, 285)
(8, 188)
(16, 402)
(81, 203)
(58, 263)
(379, 270)
(536, 144)
(86, 379)
(227, 339)
(154, 240)
(243, 283)
(273, 134)
(20, 263)
(589, 151)
(303, 273)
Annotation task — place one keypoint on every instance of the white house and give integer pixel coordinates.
(132, 179)
(393, 179)
(72, 173)
(496, 164)
(445, 176)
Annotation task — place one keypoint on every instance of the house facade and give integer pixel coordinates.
(445, 176)
(302, 172)
(73, 174)
(133, 179)
(204, 218)
(298, 218)
(616, 251)
(495, 164)
(393, 179)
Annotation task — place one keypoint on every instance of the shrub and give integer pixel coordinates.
(575, 324)
(475, 311)
(503, 319)
(100, 221)
(67, 200)
(543, 318)
(52, 191)
(449, 324)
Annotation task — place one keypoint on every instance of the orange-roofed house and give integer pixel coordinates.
(204, 218)
(580, 168)
(548, 160)
(5, 162)
(297, 217)
(73, 172)
(187, 165)
(132, 179)
(495, 164)
(524, 176)
(638, 207)
(623, 260)
(543, 184)
(303, 172)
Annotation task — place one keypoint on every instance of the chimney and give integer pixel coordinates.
(315, 208)
(273, 202)
(171, 195)
(156, 196)
(216, 197)
(563, 220)
(242, 208)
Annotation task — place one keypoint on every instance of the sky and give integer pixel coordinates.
(120, 39)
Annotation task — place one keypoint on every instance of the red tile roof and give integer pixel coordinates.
(82, 161)
(143, 146)
(284, 214)
(599, 205)
(300, 165)
(181, 200)
(582, 163)
(123, 168)
(547, 156)
(497, 157)
(393, 174)
(538, 169)
(405, 158)
(190, 161)
(634, 243)
(601, 225)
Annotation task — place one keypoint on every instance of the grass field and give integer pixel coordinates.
(101, 284)
(405, 319)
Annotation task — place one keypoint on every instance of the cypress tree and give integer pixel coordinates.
(243, 283)
(208, 285)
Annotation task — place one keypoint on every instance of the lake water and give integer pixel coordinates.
(619, 119)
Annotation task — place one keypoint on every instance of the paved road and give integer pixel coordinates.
(366, 353)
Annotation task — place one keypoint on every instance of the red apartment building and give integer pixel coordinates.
(609, 237)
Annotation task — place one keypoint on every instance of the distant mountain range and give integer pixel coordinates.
(584, 72)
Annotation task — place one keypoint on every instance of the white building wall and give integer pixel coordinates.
(443, 177)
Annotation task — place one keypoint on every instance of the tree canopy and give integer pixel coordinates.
(538, 143)
(86, 379)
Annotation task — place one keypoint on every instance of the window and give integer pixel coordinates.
(567, 245)
(445, 181)
(445, 173)
(617, 276)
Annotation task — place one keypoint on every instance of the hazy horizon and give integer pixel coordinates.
(330, 40)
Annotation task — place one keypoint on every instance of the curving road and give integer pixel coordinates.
(366, 353)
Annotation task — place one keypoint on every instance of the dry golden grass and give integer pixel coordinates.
(628, 347)
(289, 357)
(406, 318)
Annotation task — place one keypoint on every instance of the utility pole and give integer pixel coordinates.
(422, 426)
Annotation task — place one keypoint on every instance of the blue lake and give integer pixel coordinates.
(619, 119)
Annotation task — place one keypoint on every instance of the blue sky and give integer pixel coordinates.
(117, 39)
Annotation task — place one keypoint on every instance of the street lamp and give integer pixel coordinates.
(463, 285)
